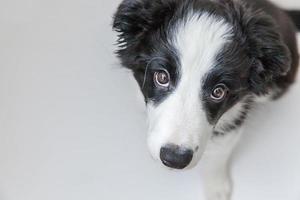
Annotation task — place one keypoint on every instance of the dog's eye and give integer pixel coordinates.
(161, 78)
(219, 92)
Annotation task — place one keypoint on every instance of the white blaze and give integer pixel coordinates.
(180, 119)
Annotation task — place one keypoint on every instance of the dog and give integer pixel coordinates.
(201, 66)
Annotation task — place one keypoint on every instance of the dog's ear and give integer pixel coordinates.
(134, 18)
(130, 21)
(271, 57)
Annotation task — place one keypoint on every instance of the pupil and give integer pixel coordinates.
(162, 78)
(219, 92)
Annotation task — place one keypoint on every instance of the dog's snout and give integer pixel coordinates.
(175, 156)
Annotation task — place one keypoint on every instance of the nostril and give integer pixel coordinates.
(175, 156)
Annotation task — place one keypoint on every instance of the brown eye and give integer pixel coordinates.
(219, 92)
(161, 78)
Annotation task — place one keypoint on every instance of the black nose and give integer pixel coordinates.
(175, 156)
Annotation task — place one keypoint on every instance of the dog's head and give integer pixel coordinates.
(198, 64)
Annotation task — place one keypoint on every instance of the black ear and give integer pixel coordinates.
(134, 18)
(271, 57)
(130, 21)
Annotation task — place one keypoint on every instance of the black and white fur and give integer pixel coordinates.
(247, 45)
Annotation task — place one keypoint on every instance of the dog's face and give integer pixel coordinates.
(196, 70)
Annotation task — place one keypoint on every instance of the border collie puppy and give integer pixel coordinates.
(200, 65)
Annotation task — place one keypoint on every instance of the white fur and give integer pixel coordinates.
(215, 165)
(180, 119)
(229, 116)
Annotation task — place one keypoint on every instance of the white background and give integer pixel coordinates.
(72, 126)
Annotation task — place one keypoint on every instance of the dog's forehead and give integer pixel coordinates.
(198, 39)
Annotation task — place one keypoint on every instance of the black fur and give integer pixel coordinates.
(295, 15)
